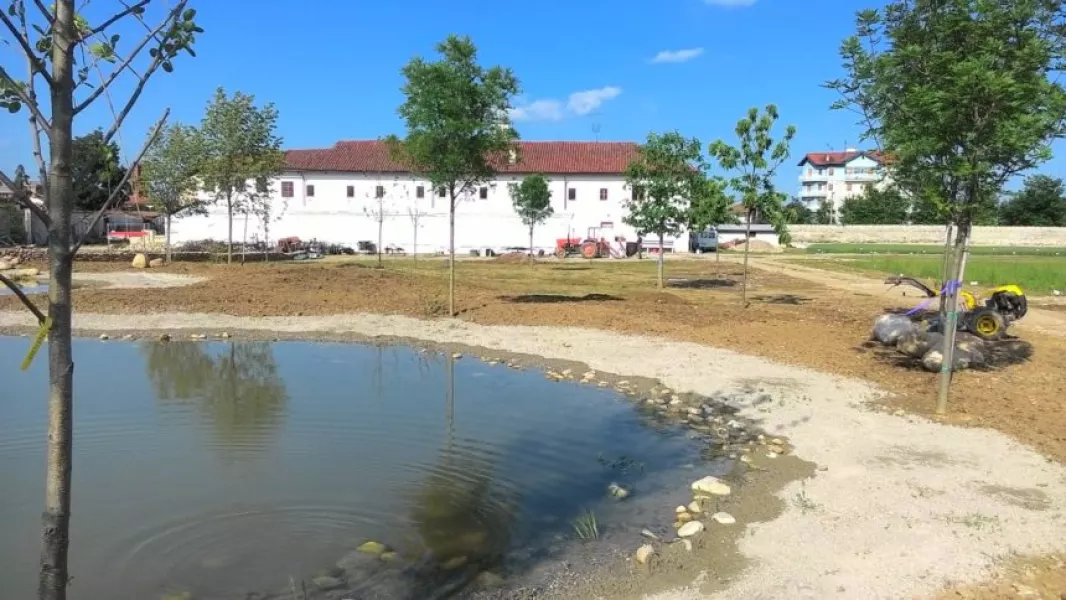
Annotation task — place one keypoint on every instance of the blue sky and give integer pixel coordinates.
(589, 69)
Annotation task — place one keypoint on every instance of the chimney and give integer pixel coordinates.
(512, 156)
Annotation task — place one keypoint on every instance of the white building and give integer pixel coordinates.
(835, 176)
(333, 194)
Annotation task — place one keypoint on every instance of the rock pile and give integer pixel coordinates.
(903, 334)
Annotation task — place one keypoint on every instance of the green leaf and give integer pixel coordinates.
(189, 14)
(13, 106)
(169, 68)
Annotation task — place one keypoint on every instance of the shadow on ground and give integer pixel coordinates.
(558, 298)
(997, 354)
(701, 284)
(790, 299)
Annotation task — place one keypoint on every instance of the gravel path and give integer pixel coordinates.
(900, 506)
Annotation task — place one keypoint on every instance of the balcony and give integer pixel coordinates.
(806, 192)
(870, 175)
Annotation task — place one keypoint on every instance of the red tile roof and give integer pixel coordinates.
(372, 156)
(837, 159)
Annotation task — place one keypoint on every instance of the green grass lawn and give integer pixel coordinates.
(929, 249)
(1038, 275)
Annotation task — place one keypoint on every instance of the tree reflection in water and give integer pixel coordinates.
(237, 389)
(463, 520)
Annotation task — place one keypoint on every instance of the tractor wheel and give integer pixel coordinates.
(590, 250)
(560, 252)
(987, 323)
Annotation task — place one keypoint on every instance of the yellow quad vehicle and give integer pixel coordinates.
(988, 320)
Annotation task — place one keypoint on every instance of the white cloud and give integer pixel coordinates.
(577, 104)
(729, 3)
(539, 110)
(582, 103)
(677, 56)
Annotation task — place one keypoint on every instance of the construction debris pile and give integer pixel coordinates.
(919, 343)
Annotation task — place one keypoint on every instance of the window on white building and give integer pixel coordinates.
(571, 194)
(603, 193)
(286, 189)
(379, 191)
(830, 172)
(420, 192)
(350, 192)
(440, 191)
(310, 191)
(483, 193)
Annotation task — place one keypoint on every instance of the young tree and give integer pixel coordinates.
(876, 207)
(64, 51)
(1041, 203)
(532, 201)
(241, 154)
(170, 174)
(96, 171)
(378, 207)
(755, 161)
(415, 212)
(959, 119)
(709, 207)
(457, 125)
(664, 178)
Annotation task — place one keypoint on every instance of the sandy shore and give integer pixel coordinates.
(899, 506)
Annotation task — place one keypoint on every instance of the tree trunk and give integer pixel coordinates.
(747, 246)
(55, 535)
(531, 245)
(950, 324)
(244, 239)
(229, 213)
(167, 242)
(717, 255)
(659, 262)
(944, 267)
(451, 254)
(414, 251)
(381, 225)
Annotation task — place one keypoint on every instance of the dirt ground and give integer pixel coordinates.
(791, 319)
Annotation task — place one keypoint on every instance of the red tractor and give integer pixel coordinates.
(590, 247)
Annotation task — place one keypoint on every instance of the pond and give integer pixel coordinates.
(222, 469)
(29, 288)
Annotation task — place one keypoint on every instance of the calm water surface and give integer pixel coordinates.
(224, 469)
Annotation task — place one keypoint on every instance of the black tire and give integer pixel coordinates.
(987, 323)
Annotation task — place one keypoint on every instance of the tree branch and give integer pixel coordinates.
(25, 43)
(33, 108)
(108, 23)
(125, 64)
(44, 11)
(15, 289)
(125, 178)
(23, 201)
(35, 125)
